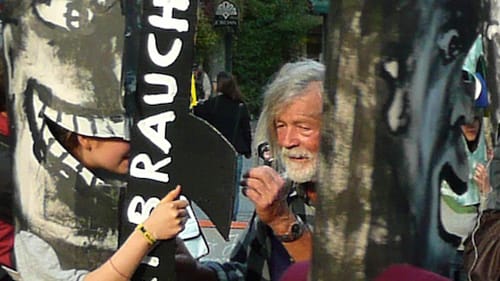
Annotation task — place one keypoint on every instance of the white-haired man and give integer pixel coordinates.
(280, 232)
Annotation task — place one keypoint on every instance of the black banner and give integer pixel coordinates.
(169, 145)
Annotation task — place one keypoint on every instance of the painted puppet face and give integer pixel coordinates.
(64, 65)
(72, 16)
(428, 104)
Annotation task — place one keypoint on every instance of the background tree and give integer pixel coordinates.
(206, 36)
(271, 32)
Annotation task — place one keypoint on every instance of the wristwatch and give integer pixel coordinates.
(295, 231)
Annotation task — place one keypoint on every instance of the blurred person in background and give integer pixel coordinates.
(228, 113)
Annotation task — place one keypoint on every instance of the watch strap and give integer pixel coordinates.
(295, 231)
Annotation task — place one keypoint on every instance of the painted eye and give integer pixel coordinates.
(77, 16)
(71, 16)
(449, 44)
(66, 16)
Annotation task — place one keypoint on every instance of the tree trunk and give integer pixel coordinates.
(391, 125)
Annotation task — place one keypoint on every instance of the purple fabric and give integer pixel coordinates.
(296, 272)
(300, 270)
(408, 273)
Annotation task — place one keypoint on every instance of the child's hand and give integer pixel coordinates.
(482, 179)
(169, 216)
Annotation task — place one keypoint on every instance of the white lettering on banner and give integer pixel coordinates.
(151, 261)
(169, 57)
(154, 127)
(166, 21)
(146, 126)
(142, 167)
(160, 79)
(138, 209)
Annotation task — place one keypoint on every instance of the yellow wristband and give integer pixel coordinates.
(147, 235)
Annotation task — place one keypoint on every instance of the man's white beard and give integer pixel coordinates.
(299, 172)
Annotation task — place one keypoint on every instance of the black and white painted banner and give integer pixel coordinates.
(169, 145)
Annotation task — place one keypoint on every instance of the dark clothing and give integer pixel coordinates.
(457, 271)
(494, 196)
(257, 256)
(6, 184)
(6, 191)
(280, 259)
(231, 118)
(481, 257)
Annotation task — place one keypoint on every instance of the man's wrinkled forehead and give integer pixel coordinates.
(313, 115)
(311, 94)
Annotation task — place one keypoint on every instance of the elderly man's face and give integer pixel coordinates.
(298, 131)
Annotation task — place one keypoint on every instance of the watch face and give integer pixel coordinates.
(295, 232)
(296, 229)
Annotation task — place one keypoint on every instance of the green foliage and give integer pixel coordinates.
(271, 33)
(206, 38)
